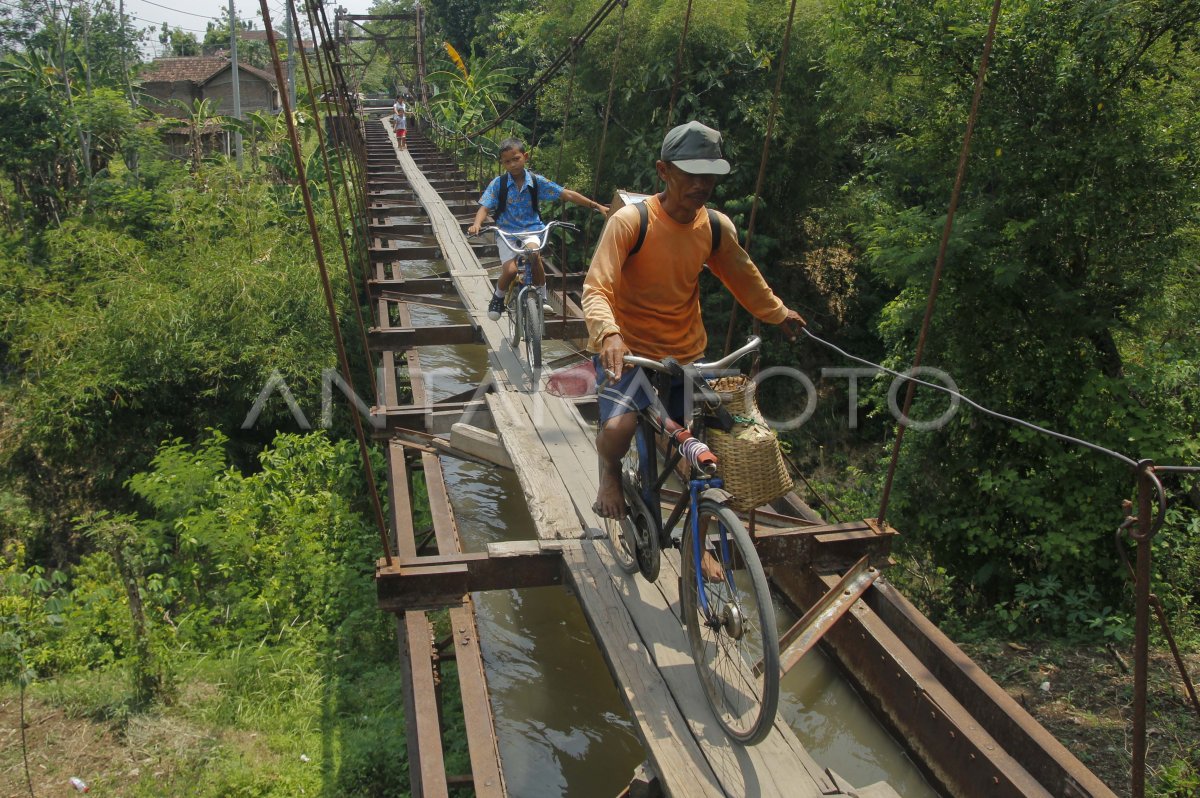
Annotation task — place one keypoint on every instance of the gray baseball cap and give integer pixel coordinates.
(696, 149)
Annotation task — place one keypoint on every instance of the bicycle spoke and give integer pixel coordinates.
(736, 632)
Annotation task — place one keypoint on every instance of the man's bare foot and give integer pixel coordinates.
(711, 569)
(610, 500)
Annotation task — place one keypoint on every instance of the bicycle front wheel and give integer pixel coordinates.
(731, 623)
(531, 307)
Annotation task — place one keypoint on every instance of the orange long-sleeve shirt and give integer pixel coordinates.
(653, 297)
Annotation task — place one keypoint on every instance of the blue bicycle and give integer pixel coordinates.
(724, 596)
(526, 317)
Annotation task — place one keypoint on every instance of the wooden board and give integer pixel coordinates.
(636, 624)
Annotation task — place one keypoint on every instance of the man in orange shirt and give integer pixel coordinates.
(648, 302)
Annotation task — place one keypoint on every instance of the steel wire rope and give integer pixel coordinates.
(762, 165)
(337, 79)
(337, 212)
(940, 263)
(326, 287)
(1095, 447)
(558, 178)
(687, 20)
(550, 71)
(612, 84)
(358, 199)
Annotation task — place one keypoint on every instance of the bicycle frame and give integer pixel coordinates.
(651, 422)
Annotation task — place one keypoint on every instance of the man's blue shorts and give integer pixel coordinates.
(633, 392)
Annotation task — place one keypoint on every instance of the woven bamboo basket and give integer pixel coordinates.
(751, 462)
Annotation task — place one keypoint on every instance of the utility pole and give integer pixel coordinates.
(293, 30)
(237, 90)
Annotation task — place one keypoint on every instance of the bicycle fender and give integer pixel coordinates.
(718, 495)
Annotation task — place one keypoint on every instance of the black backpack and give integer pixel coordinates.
(714, 225)
(502, 201)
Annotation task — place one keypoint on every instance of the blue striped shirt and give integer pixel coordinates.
(519, 214)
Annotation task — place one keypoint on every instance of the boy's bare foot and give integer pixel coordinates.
(711, 569)
(610, 499)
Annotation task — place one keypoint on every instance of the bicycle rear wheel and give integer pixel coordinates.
(735, 644)
(531, 306)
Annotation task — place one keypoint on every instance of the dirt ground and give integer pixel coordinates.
(1084, 697)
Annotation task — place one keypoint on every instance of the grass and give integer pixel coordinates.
(255, 723)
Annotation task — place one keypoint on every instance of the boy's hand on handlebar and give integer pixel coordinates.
(792, 324)
(602, 209)
(473, 230)
(612, 354)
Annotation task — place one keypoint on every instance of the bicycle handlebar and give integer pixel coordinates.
(752, 345)
(533, 241)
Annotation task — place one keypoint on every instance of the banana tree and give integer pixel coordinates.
(199, 119)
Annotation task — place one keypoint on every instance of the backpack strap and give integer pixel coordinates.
(533, 191)
(714, 224)
(643, 223)
(502, 196)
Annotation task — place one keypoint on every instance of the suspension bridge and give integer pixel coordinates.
(405, 251)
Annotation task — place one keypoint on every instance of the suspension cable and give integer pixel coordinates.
(558, 178)
(358, 201)
(941, 257)
(576, 44)
(687, 19)
(337, 213)
(612, 83)
(1029, 425)
(762, 164)
(326, 287)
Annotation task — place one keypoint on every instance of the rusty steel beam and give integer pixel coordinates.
(1028, 741)
(421, 299)
(391, 255)
(487, 779)
(957, 751)
(806, 632)
(435, 419)
(421, 710)
(829, 549)
(399, 338)
(412, 583)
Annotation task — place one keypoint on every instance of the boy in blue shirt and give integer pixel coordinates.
(520, 190)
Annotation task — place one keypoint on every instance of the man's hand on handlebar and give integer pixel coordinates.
(612, 354)
(792, 324)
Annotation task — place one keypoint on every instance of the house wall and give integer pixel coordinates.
(257, 94)
(161, 93)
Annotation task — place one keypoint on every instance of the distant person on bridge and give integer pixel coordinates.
(400, 121)
(512, 199)
(641, 295)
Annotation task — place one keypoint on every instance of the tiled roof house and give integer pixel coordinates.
(202, 77)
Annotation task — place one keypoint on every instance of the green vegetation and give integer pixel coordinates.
(1069, 293)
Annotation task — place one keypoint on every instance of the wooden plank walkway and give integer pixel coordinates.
(636, 624)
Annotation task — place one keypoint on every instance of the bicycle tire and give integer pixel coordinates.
(514, 318)
(624, 533)
(531, 303)
(735, 649)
